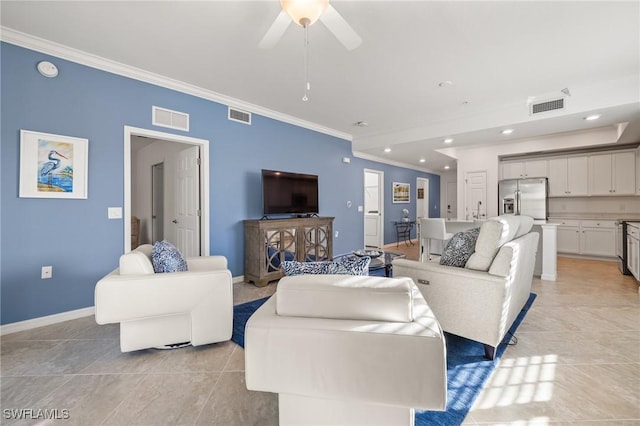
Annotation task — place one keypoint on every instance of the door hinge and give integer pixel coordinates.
(198, 161)
(198, 213)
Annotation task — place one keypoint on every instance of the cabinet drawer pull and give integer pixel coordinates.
(421, 281)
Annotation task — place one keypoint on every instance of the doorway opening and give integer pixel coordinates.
(157, 202)
(476, 195)
(422, 197)
(373, 208)
(166, 185)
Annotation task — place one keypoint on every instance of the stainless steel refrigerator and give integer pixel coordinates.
(528, 197)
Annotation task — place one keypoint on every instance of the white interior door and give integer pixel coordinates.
(452, 200)
(373, 208)
(422, 198)
(476, 195)
(187, 202)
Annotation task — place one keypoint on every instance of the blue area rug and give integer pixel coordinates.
(467, 368)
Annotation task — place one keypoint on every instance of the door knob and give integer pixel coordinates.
(175, 221)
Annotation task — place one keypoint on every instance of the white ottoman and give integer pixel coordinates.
(331, 369)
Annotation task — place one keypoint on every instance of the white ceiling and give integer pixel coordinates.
(496, 54)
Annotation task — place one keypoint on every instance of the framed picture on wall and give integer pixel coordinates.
(52, 166)
(401, 192)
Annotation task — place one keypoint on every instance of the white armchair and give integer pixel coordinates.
(156, 310)
(347, 350)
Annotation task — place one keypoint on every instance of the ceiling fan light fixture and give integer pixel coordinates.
(304, 12)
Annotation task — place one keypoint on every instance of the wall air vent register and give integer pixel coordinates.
(172, 119)
(239, 116)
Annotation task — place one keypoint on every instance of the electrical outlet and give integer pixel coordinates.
(337, 233)
(47, 272)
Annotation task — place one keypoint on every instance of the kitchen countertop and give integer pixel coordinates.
(594, 216)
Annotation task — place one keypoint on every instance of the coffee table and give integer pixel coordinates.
(384, 261)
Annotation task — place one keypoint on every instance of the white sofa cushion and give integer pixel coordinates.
(526, 223)
(346, 297)
(487, 245)
(137, 262)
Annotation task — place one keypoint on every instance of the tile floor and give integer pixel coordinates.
(577, 362)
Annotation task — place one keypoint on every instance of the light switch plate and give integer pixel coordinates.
(114, 212)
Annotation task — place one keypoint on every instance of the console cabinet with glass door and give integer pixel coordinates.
(269, 242)
(612, 173)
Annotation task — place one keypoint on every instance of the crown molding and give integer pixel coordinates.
(365, 156)
(61, 51)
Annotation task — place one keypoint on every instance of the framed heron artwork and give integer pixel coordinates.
(52, 166)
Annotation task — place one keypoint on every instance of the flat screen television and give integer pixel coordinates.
(289, 193)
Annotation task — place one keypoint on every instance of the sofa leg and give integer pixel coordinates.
(489, 352)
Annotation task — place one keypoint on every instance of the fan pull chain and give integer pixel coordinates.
(307, 85)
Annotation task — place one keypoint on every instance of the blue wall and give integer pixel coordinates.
(76, 237)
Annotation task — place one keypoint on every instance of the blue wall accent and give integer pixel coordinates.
(76, 237)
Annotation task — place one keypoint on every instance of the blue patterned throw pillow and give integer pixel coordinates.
(460, 248)
(293, 267)
(167, 258)
(344, 266)
(352, 265)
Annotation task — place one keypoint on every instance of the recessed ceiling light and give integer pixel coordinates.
(445, 83)
(361, 124)
(448, 140)
(422, 160)
(387, 150)
(592, 117)
(507, 131)
(447, 167)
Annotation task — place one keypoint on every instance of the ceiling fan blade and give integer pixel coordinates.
(276, 31)
(340, 28)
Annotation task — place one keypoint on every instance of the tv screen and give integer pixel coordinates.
(289, 193)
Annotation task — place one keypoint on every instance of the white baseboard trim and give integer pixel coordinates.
(15, 327)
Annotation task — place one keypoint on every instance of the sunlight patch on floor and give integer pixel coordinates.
(520, 381)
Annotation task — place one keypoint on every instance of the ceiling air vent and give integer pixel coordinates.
(239, 116)
(546, 106)
(167, 118)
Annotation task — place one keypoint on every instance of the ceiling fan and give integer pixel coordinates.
(306, 13)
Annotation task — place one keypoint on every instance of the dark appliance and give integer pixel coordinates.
(289, 193)
(621, 244)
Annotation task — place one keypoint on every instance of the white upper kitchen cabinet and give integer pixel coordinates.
(612, 173)
(638, 170)
(524, 169)
(568, 176)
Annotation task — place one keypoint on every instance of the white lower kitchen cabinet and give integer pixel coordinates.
(633, 250)
(569, 236)
(598, 238)
(587, 237)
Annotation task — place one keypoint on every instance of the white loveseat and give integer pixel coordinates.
(160, 309)
(342, 349)
(480, 305)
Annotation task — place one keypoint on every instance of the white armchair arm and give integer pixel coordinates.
(157, 309)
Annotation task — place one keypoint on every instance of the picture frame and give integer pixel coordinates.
(401, 192)
(53, 166)
(420, 193)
